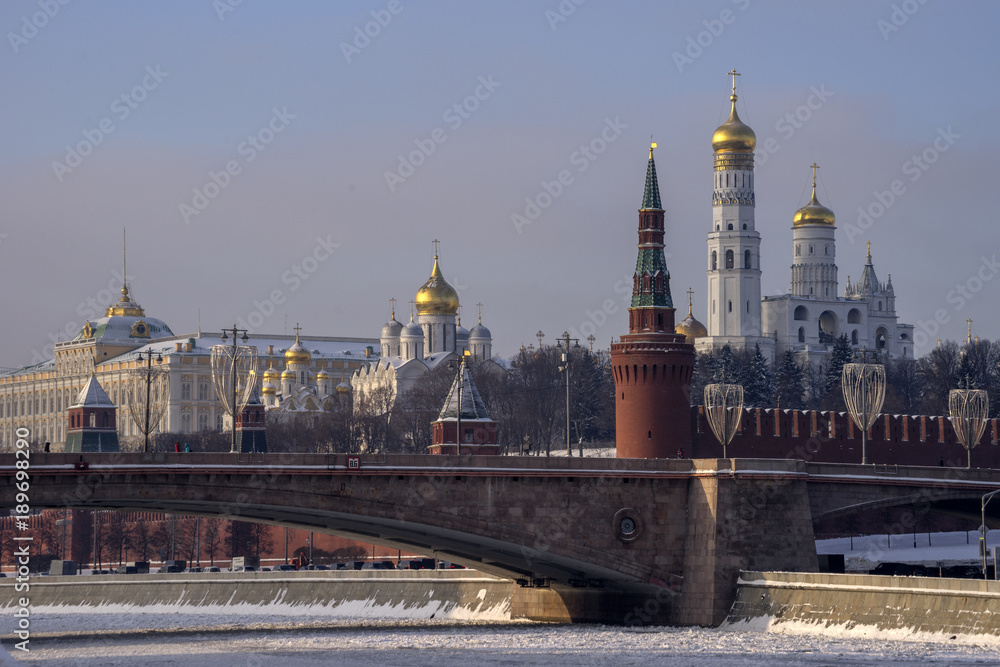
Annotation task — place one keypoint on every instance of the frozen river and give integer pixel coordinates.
(191, 640)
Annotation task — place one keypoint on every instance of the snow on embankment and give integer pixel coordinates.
(919, 608)
(455, 594)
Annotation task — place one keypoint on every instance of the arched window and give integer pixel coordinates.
(730, 227)
(746, 259)
(801, 313)
(104, 419)
(93, 419)
(744, 225)
(729, 259)
(854, 337)
(802, 334)
(798, 250)
(730, 306)
(715, 260)
(880, 305)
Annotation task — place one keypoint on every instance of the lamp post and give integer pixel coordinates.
(149, 381)
(969, 410)
(724, 409)
(461, 384)
(986, 499)
(230, 364)
(565, 367)
(863, 385)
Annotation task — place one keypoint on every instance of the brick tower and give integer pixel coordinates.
(652, 364)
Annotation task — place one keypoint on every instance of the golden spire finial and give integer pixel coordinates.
(690, 292)
(124, 298)
(652, 145)
(297, 330)
(436, 242)
(969, 339)
(392, 301)
(412, 302)
(733, 73)
(479, 306)
(869, 252)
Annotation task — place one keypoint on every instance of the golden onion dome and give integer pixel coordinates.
(813, 213)
(297, 354)
(322, 375)
(270, 374)
(287, 374)
(269, 389)
(437, 297)
(689, 326)
(343, 388)
(734, 136)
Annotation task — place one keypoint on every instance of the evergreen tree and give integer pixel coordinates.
(705, 368)
(841, 354)
(789, 382)
(728, 368)
(756, 379)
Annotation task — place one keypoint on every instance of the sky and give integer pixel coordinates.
(291, 162)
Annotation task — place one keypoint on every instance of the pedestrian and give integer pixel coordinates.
(941, 462)
(680, 453)
(177, 447)
(46, 448)
(187, 448)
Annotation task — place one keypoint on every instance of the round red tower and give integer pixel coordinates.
(652, 364)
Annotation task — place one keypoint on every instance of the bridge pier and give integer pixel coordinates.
(751, 522)
(641, 605)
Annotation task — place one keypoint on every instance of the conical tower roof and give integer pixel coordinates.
(651, 193)
(473, 407)
(93, 396)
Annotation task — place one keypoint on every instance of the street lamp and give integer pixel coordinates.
(863, 385)
(233, 366)
(461, 384)
(146, 413)
(969, 410)
(565, 367)
(986, 499)
(724, 410)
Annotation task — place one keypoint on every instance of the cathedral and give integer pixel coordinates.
(811, 316)
(410, 351)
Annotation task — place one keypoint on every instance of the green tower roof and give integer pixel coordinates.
(651, 193)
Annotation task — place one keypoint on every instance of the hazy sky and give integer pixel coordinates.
(129, 114)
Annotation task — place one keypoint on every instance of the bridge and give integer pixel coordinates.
(584, 539)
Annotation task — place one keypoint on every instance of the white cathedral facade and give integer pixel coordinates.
(410, 351)
(809, 318)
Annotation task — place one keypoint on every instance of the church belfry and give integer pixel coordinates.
(733, 243)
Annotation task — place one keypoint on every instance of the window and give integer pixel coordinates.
(203, 422)
(744, 225)
(730, 306)
(746, 259)
(93, 419)
(854, 337)
(798, 250)
(748, 306)
(810, 250)
(218, 422)
(802, 334)
(827, 249)
(202, 391)
(729, 259)
(715, 260)
(185, 391)
(801, 313)
(880, 305)
(104, 419)
(730, 227)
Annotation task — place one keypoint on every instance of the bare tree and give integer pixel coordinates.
(211, 537)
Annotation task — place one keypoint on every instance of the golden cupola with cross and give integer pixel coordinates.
(436, 296)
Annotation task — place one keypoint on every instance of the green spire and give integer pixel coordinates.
(651, 194)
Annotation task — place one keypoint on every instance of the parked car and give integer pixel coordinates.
(265, 569)
(445, 565)
(378, 565)
(126, 569)
(192, 569)
(406, 565)
(211, 569)
(284, 567)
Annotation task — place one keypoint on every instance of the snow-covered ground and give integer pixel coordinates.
(956, 548)
(190, 641)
